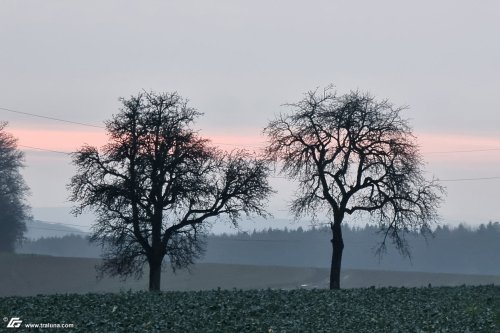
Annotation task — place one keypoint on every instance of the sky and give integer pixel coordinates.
(238, 62)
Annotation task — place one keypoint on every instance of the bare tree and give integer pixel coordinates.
(352, 154)
(156, 183)
(14, 210)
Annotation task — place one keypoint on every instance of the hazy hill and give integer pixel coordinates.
(458, 251)
(37, 229)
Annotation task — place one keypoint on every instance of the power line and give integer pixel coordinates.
(60, 230)
(462, 151)
(281, 177)
(70, 224)
(441, 180)
(256, 145)
(220, 239)
(44, 149)
(52, 118)
(68, 153)
(229, 239)
(238, 145)
(235, 145)
(468, 179)
(262, 145)
(97, 126)
(61, 223)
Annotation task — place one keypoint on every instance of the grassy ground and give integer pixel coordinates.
(437, 309)
(27, 275)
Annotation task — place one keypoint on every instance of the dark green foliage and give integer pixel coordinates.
(459, 309)
(13, 207)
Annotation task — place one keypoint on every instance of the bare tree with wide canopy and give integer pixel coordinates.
(353, 154)
(155, 185)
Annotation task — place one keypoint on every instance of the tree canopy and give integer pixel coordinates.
(157, 183)
(353, 154)
(14, 209)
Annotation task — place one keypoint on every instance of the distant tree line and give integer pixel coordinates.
(66, 246)
(451, 250)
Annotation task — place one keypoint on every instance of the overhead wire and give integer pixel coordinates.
(60, 230)
(97, 126)
(50, 118)
(239, 145)
(70, 224)
(280, 177)
(469, 179)
(44, 149)
(257, 145)
(220, 238)
(462, 151)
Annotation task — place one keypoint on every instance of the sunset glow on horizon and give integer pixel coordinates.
(431, 144)
(59, 140)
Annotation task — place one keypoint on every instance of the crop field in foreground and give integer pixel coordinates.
(442, 309)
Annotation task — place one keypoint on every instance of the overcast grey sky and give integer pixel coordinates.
(239, 61)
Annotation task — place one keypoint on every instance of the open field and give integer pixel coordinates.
(26, 275)
(251, 299)
(419, 310)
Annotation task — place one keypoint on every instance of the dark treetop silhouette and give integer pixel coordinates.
(353, 154)
(155, 184)
(13, 207)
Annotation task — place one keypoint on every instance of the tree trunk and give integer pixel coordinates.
(154, 274)
(155, 258)
(337, 249)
